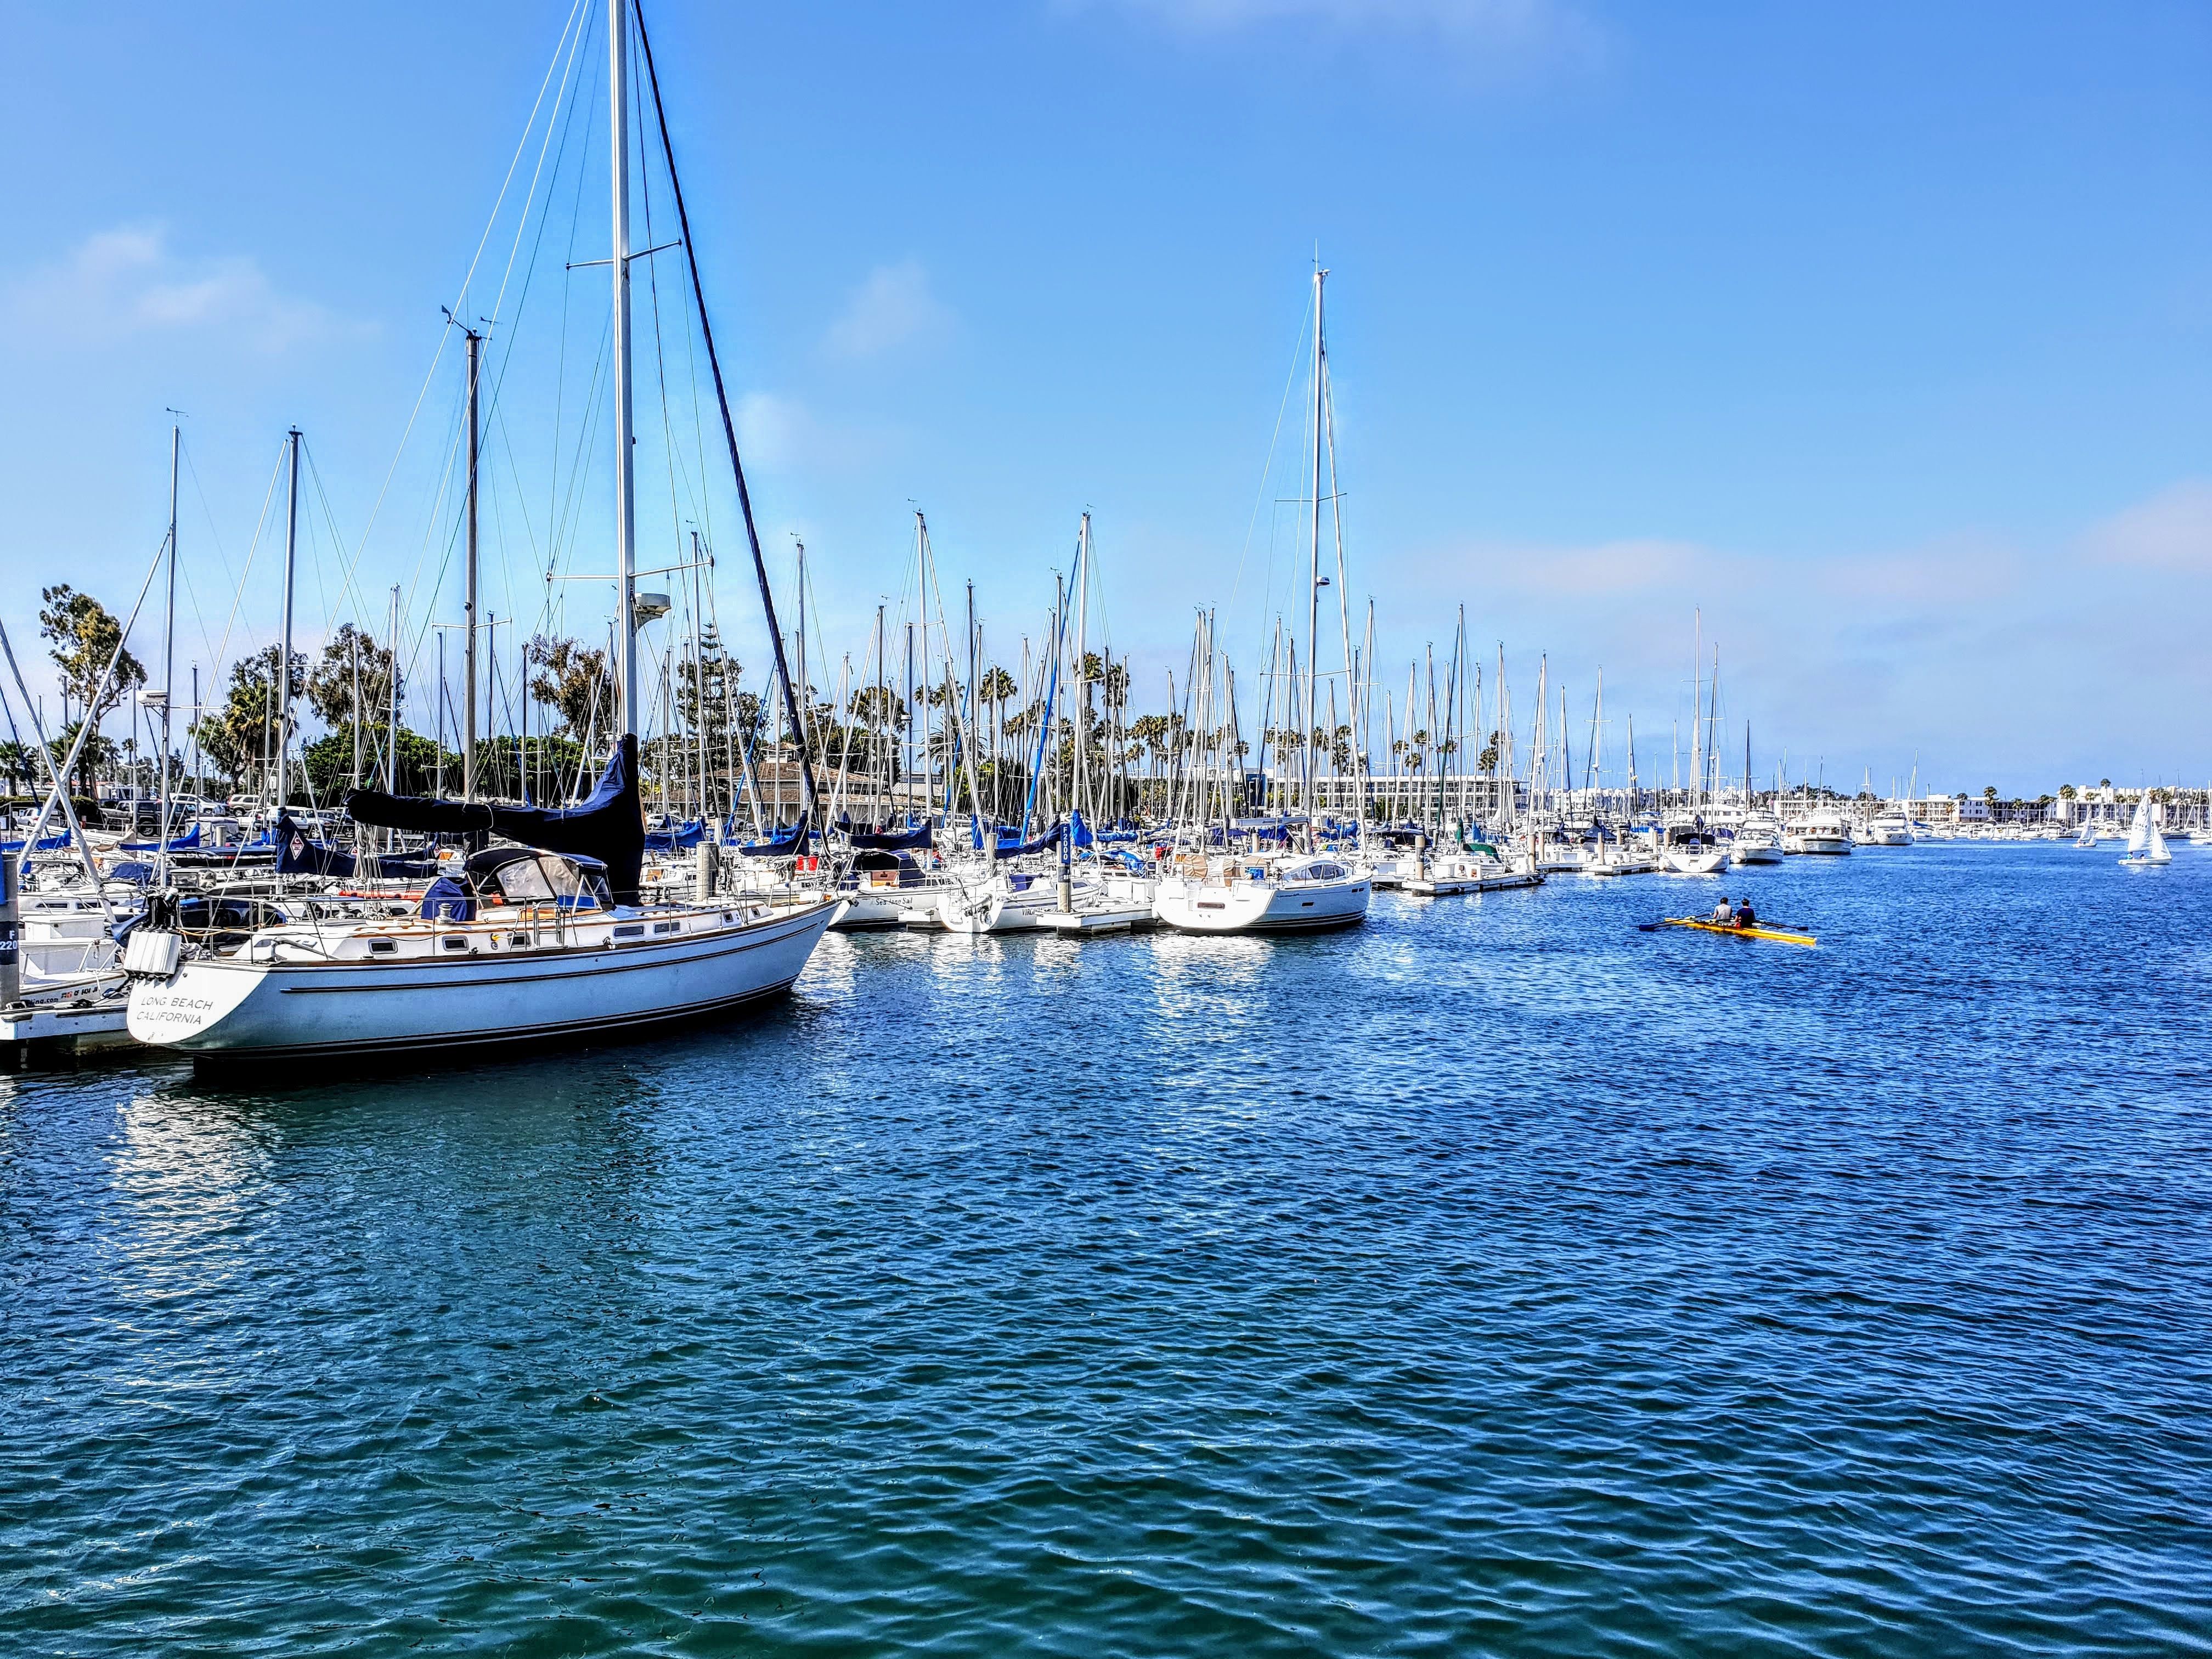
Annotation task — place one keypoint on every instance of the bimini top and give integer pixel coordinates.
(607, 829)
(524, 875)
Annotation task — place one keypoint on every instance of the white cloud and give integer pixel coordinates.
(894, 308)
(1517, 30)
(128, 281)
(2171, 530)
(774, 431)
(1635, 566)
(782, 434)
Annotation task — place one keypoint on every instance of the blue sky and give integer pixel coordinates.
(1881, 334)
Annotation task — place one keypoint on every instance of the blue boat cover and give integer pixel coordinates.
(894, 841)
(46, 844)
(1017, 847)
(136, 874)
(447, 900)
(609, 827)
(184, 843)
(683, 837)
(781, 843)
(297, 855)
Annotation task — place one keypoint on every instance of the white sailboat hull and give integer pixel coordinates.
(225, 1008)
(867, 908)
(1194, 907)
(998, 907)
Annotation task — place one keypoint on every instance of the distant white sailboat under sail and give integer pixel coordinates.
(2146, 845)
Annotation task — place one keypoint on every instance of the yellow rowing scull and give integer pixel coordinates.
(1740, 932)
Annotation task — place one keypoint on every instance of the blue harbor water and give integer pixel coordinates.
(1495, 1278)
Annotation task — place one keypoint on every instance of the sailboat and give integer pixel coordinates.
(2146, 845)
(1233, 892)
(543, 938)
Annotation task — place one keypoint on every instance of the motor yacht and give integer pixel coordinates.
(1821, 831)
(1758, 840)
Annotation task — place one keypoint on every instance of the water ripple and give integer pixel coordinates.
(1495, 1278)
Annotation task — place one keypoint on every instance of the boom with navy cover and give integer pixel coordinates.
(894, 841)
(610, 826)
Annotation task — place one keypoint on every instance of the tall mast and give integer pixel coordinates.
(625, 461)
(1697, 711)
(882, 747)
(1596, 769)
(1313, 584)
(352, 667)
(284, 642)
(806, 697)
(391, 687)
(168, 650)
(1713, 724)
(1079, 781)
(469, 594)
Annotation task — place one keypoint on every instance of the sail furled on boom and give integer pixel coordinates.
(609, 826)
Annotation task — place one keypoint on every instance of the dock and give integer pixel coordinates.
(31, 1033)
(1131, 918)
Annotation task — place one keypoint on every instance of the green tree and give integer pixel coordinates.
(99, 753)
(329, 763)
(84, 640)
(238, 735)
(705, 689)
(16, 764)
(575, 681)
(878, 708)
(350, 656)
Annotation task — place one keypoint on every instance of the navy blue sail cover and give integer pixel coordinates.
(297, 854)
(781, 843)
(894, 841)
(1018, 847)
(609, 826)
(680, 837)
